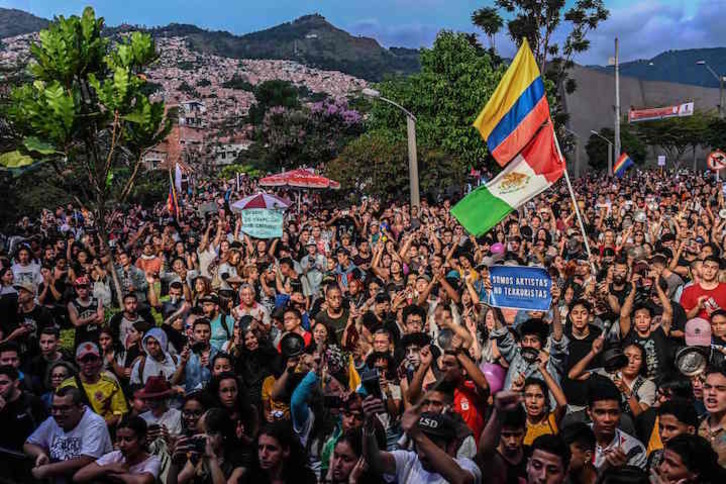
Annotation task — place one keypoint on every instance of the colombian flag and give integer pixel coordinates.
(624, 162)
(516, 110)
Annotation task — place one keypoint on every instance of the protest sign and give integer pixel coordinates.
(262, 223)
(520, 287)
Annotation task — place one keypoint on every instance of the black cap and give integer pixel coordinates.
(292, 344)
(211, 297)
(437, 425)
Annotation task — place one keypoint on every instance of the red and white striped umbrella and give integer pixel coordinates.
(260, 200)
(300, 178)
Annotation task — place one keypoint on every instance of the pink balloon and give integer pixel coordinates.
(497, 248)
(495, 375)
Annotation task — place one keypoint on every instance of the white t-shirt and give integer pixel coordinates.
(149, 466)
(634, 450)
(171, 420)
(409, 469)
(90, 438)
(29, 273)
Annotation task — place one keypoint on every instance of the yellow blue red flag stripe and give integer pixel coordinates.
(516, 110)
(623, 163)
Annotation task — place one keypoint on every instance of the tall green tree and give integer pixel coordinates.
(454, 84)
(86, 108)
(676, 136)
(272, 93)
(538, 21)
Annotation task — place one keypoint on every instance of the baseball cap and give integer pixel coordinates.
(81, 281)
(698, 332)
(86, 349)
(212, 298)
(437, 425)
(25, 285)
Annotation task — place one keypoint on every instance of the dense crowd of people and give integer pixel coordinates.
(362, 346)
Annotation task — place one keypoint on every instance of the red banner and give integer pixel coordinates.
(652, 114)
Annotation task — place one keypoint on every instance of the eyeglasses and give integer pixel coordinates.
(89, 359)
(192, 413)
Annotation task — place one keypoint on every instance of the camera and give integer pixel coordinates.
(199, 444)
(370, 380)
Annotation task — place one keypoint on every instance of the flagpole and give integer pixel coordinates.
(577, 209)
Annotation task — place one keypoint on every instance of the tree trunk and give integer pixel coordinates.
(103, 234)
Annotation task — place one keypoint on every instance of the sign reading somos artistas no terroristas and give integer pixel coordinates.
(262, 223)
(520, 287)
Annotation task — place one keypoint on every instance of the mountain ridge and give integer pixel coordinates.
(313, 41)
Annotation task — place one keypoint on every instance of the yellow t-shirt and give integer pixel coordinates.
(106, 396)
(545, 427)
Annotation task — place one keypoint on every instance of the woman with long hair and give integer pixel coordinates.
(202, 287)
(8, 299)
(280, 458)
(131, 462)
(211, 456)
(232, 396)
(255, 360)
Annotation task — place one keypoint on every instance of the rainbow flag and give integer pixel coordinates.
(623, 163)
(533, 170)
(516, 110)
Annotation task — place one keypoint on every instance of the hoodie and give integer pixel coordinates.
(153, 367)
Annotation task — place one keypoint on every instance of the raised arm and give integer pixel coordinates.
(380, 462)
(438, 459)
(625, 312)
(579, 371)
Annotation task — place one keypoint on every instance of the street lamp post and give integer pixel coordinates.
(411, 129)
(610, 151)
(720, 85)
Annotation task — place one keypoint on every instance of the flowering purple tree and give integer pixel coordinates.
(310, 135)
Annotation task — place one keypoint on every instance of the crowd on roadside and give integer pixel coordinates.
(361, 346)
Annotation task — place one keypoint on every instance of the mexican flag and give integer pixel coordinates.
(537, 167)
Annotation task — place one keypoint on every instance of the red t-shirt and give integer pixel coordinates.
(716, 299)
(470, 405)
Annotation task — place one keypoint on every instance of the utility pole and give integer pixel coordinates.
(617, 107)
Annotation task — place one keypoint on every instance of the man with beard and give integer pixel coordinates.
(122, 323)
(32, 318)
(619, 289)
(713, 427)
(614, 448)
(708, 295)
(433, 461)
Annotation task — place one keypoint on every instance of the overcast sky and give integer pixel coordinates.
(645, 27)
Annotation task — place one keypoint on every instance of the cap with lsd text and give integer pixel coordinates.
(437, 425)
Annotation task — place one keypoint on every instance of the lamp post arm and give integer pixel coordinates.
(394, 103)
